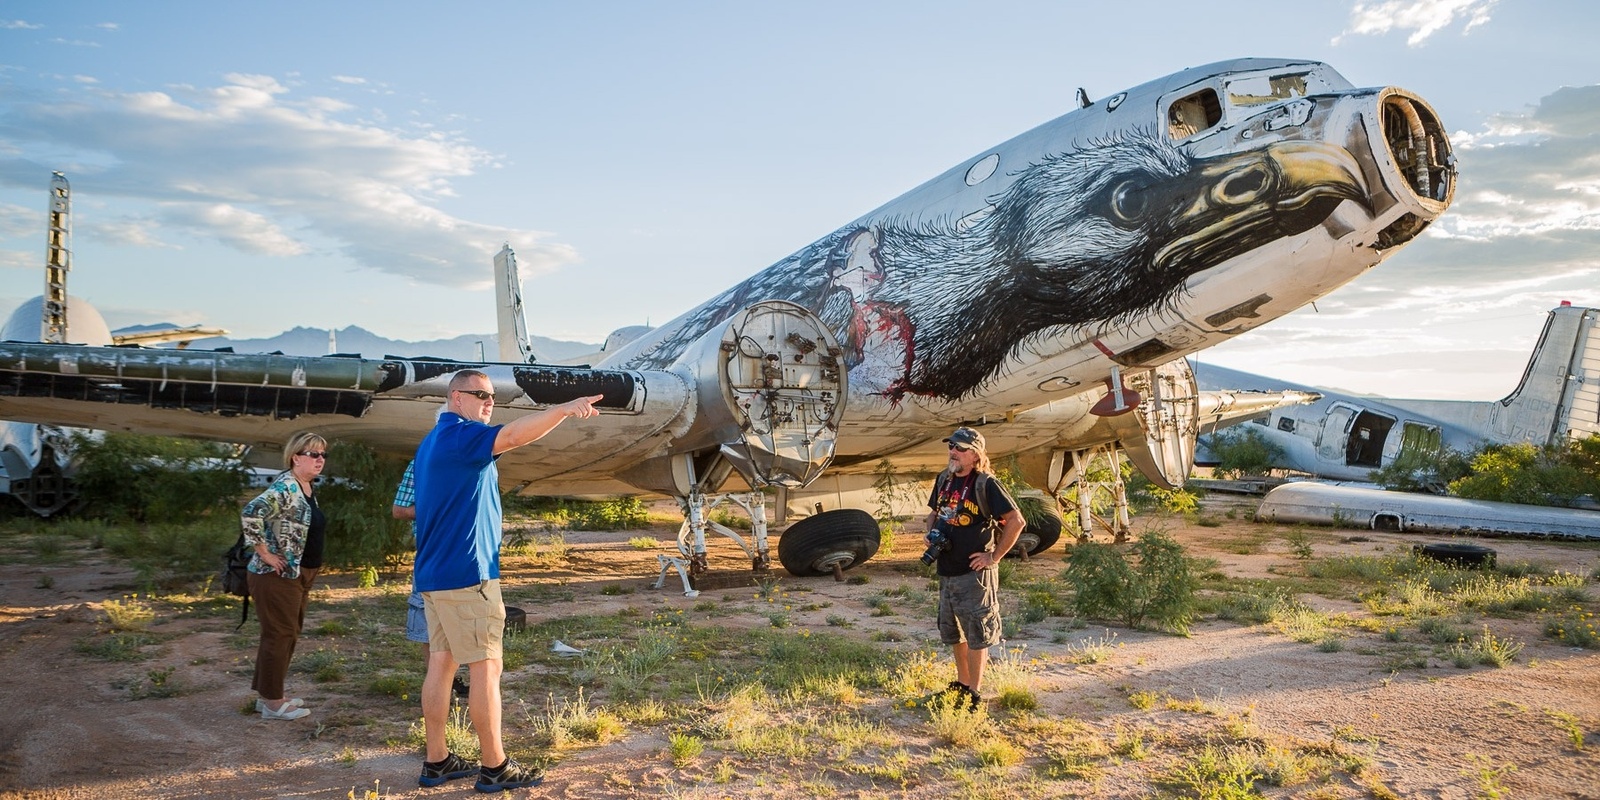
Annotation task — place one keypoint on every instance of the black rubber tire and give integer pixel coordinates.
(516, 618)
(1460, 555)
(848, 536)
(1043, 531)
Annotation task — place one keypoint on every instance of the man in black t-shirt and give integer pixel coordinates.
(969, 584)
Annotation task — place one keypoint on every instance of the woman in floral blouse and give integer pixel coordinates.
(286, 528)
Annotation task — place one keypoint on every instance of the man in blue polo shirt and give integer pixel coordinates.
(458, 571)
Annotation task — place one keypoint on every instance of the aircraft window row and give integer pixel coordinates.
(1286, 424)
(1202, 110)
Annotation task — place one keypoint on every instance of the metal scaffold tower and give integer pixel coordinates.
(58, 261)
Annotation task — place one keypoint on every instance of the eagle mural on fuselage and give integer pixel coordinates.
(1086, 237)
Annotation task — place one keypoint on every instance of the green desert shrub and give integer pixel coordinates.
(1151, 585)
(1243, 451)
(127, 476)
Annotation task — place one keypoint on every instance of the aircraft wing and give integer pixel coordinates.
(761, 390)
(183, 335)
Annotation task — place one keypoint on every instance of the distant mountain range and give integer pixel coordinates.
(301, 341)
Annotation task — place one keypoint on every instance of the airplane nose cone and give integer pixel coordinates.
(1413, 162)
(1417, 145)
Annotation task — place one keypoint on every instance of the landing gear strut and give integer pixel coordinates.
(691, 559)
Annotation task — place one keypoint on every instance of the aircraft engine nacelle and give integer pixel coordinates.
(1162, 445)
(770, 388)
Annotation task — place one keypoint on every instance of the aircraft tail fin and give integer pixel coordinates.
(1559, 396)
(512, 323)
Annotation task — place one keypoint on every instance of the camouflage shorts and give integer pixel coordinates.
(969, 609)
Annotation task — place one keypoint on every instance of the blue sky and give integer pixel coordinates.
(262, 166)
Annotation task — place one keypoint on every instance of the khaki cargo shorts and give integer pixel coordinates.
(969, 609)
(468, 622)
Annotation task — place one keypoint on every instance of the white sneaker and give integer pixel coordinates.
(294, 702)
(287, 712)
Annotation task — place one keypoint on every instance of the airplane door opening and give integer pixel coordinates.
(1364, 448)
(1416, 438)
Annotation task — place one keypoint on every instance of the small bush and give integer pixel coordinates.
(1017, 699)
(684, 748)
(953, 724)
(1524, 473)
(1180, 501)
(1487, 649)
(621, 514)
(1221, 774)
(394, 685)
(1243, 451)
(1041, 602)
(1575, 627)
(1157, 589)
(128, 614)
(358, 507)
(127, 476)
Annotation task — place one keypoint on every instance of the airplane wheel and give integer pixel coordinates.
(813, 546)
(1459, 555)
(1043, 531)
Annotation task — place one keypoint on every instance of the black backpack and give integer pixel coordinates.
(236, 577)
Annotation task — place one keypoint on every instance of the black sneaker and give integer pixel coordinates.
(956, 686)
(452, 767)
(973, 700)
(460, 687)
(509, 775)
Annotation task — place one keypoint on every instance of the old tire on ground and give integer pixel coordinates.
(1043, 531)
(516, 618)
(1460, 555)
(812, 546)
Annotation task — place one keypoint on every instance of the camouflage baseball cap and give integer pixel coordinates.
(966, 439)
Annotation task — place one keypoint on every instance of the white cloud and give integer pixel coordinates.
(349, 79)
(1423, 18)
(1534, 173)
(242, 229)
(18, 25)
(18, 221)
(124, 233)
(251, 165)
(16, 259)
(108, 26)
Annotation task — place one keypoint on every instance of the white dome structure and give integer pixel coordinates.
(84, 323)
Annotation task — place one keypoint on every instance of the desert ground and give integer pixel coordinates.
(1076, 707)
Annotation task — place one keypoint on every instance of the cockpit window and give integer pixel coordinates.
(1192, 114)
(1263, 89)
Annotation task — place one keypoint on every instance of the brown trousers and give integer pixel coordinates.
(281, 607)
